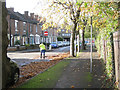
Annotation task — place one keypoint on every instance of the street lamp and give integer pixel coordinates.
(91, 49)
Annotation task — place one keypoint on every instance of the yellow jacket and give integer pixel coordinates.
(42, 47)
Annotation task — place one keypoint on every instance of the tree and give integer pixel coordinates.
(71, 10)
(5, 61)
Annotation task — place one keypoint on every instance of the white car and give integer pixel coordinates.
(60, 44)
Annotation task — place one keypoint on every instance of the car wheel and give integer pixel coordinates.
(15, 76)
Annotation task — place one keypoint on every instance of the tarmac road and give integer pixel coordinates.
(26, 56)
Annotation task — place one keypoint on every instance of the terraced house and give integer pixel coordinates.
(23, 29)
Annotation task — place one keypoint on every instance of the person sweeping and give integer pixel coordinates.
(42, 49)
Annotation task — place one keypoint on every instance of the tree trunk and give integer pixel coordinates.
(83, 40)
(78, 41)
(5, 61)
(83, 32)
(72, 40)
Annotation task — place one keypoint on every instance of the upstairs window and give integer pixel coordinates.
(31, 28)
(16, 25)
(36, 29)
(24, 26)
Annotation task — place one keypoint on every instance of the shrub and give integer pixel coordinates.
(17, 42)
(59, 38)
(27, 45)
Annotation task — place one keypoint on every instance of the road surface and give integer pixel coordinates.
(26, 56)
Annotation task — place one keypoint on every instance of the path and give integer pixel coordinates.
(76, 74)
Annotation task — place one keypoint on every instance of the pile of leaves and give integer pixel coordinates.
(60, 56)
(30, 70)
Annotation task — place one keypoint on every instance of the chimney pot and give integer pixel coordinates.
(26, 13)
(32, 15)
(36, 17)
(11, 9)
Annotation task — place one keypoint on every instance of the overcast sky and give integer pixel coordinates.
(27, 5)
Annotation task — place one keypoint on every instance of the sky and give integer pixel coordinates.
(33, 6)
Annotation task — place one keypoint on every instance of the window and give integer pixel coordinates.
(24, 30)
(16, 25)
(36, 28)
(24, 26)
(30, 27)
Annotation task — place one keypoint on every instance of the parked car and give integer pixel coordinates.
(64, 43)
(68, 43)
(54, 44)
(14, 73)
(60, 44)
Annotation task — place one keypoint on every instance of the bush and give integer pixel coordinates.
(59, 38)
(17, 42)
(27, 45)
(32, 45)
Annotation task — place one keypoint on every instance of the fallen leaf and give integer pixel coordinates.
(89, 85)
(72, 86)
(99, 79)
(95, 75)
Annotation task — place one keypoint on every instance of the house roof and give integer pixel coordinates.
(21, 17)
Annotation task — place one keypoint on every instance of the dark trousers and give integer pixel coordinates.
(42, 52)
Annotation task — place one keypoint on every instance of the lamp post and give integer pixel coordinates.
(91, 49)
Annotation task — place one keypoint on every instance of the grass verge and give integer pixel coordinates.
(47, 79)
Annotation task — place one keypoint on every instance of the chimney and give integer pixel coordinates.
(32, 15)
(11, 9)
(40, 18)
(26, 13)
(36, 17)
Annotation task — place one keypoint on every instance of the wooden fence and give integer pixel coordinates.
(116, 40)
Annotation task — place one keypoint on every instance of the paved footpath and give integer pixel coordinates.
(76, 74)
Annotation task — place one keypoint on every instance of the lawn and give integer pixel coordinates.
(47, 79)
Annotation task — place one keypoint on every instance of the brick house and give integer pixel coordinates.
(23, 29)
